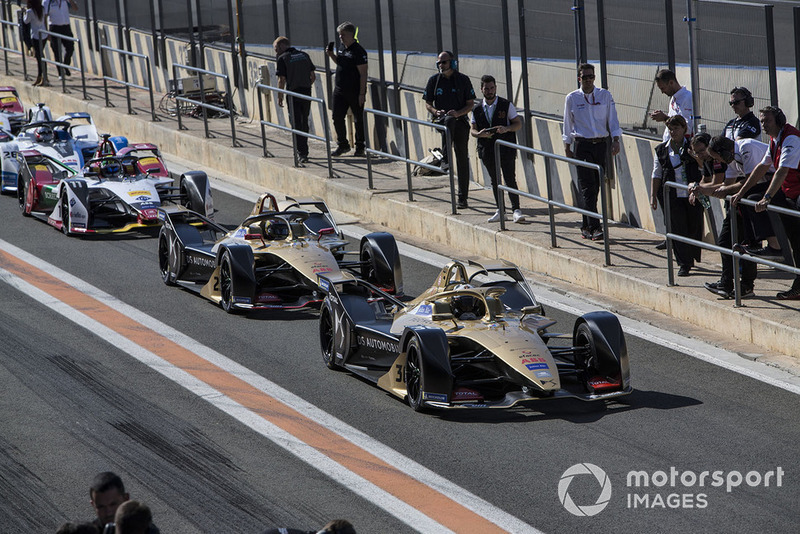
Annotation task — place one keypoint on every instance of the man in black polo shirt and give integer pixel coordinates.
(449, 97)
(296, 73)
(745, 124)
(350, 91)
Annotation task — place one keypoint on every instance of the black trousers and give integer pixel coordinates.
(588, 180)
(41, 66)
(686, 220)
(791, 225)
(725, 239)
(459, 134)
(508, 168)
(341, 103)
(758, 225)
(300, 110)
(56, 44)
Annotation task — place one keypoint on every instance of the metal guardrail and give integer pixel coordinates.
(735, 251)
(260, 87)
(4, 25)
(126, 82)
(202, 103)
(406, 121)
(603, 216)
(79, 50)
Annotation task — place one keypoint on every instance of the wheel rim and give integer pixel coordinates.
(413, 376)
(326, 337)
(225, 284)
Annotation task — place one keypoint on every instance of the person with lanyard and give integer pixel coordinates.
(745, 124)
(350, 90)
(295, 70)
(449, 97)
(58, 13)
(673, 163)
(492, 119)
(784, 187)
(680, 102)
(590, 117)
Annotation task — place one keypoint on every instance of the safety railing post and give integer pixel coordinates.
(452, 164)
(548, 173)
(406, 153)
(668, 223)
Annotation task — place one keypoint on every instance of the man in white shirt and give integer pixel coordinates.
(57, 12)
(680, 102)
(741, 158)
(590, 117)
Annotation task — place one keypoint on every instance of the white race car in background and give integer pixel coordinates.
(114, 196)
(50, 137)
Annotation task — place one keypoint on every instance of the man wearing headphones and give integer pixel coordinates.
(784, 188)
(741, 158)
(745, 124)
(449, 97)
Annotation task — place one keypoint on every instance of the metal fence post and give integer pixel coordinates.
(772, 63)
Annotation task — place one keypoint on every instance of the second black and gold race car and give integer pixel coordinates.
(273, 259)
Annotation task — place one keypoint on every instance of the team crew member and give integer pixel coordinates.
(741, 158)
(449, 97)
(784, 188)
(295, 71)
(590, 116)
(680, 102)
(58, 13)
(492, 119)
(673, 163)
(350, 91)
(745, 124)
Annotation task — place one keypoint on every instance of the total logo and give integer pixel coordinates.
(584, 469)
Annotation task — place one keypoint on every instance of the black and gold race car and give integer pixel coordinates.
(476, 339)
(273, 259)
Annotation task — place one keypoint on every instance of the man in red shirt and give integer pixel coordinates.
(784, 189)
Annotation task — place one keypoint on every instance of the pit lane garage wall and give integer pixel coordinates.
(629, 189)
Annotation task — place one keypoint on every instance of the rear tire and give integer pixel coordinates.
(413, 375)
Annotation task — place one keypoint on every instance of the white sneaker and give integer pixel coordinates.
(495, 217)
(519, 216)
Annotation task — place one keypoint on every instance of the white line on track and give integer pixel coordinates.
(308, 454)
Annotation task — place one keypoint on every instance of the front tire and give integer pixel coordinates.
(414, 375)
(327, 339)
(166, 260)
(226, 284)
(26, 199)
(65, 214)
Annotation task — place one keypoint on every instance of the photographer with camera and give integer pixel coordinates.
(449, 97)
(492, 119)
